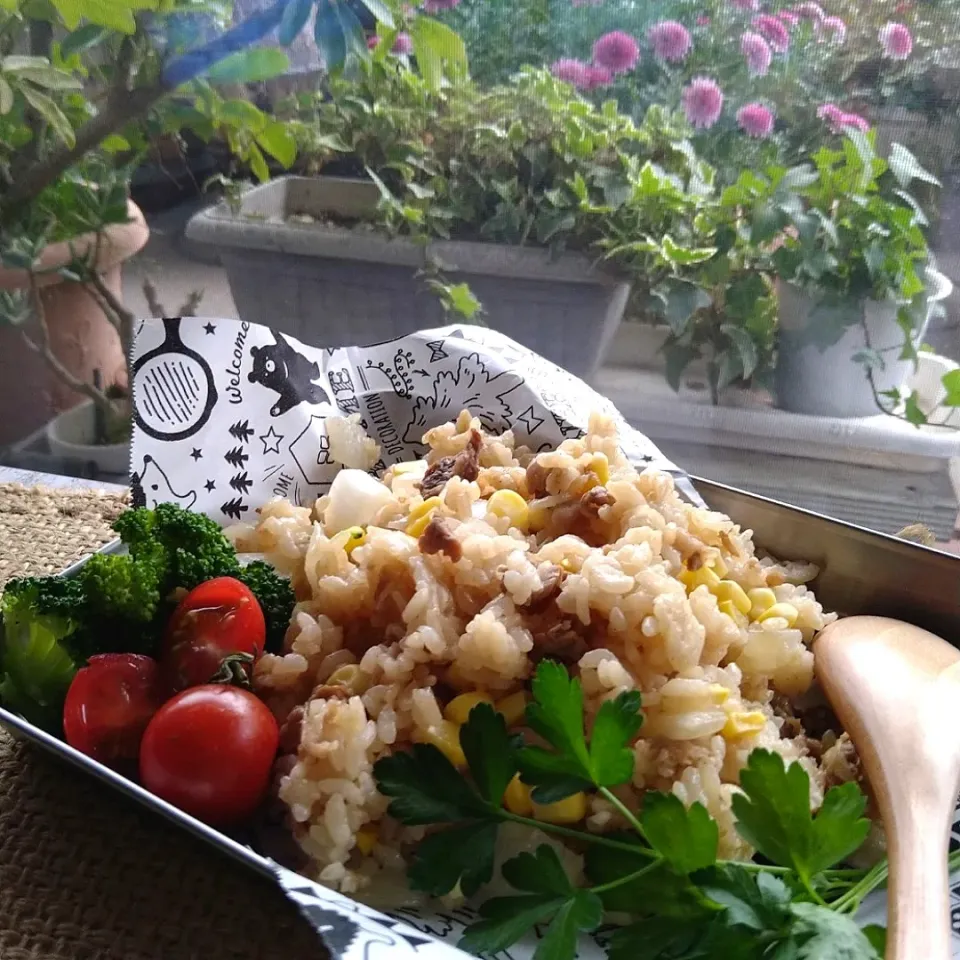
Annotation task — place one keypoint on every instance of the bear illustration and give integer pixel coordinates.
(280, 368)
(150, 486)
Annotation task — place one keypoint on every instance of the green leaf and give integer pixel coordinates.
(877, 936)
(504, 920)
(821, 933)
(106, 13)
(757, 901)
(678, 357)
(556, 712)
(951, 383)
(6, 96)
(461, 855)
(426, 788)
(773, 815)
(381, 11)
(250, 66)
(538, 872)
(294, 20)
(279, 142)
(85, 38)
(745, 347)
(490, 750)
(912, 410)
(796, 178)
(681, 300)
(258, 164)
(440, 51)
(685, 837)
(906, 168)
(40, 72)
(242, 115)
(115, 143)
(51, 113)
(684, 256)
(329, 34)
(462, 300)
(615, 727)
(583, 912)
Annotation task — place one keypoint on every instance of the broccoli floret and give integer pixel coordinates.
(38, 659)
(275, 596)
(194, 545)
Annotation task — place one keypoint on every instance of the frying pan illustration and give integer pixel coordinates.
(173, 388)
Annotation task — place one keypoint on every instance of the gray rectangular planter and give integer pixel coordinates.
(330, 285)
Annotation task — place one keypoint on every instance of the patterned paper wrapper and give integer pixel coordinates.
(230, 414)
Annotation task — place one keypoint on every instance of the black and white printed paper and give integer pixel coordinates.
(230, 414)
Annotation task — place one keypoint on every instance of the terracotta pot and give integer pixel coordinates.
(81, 336)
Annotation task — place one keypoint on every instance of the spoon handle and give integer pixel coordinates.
(918, 895)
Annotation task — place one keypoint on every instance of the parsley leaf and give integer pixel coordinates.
(427, 788)
(556, 714)
(821, 933)
(463, 855)
(686, 838)
(773, 815)
(660, 938)
(491, 752)
(757, 901)
(549, 893)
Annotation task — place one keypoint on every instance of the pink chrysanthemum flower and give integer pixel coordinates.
(572, 71)
(747, 4)
(598, 77)
(854, 120)
(703, 21)
(831, 113)
(773, 31)
(670, 40)
(809, 11)
(402, 45)
(896, 41)
(788, 18)
(372, 42)
(617, 51)
(757, 52)
(755, 120)
(832, 29)
(435, 6)
(702, 102)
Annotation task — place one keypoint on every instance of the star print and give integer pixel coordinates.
(529, 419)
(271, 441)
(209, 485)
(196, 454)
(209, 327)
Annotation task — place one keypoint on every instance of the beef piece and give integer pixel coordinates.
(558, 641)
(290, 731)
(438, 538)
(578, 518)
(465, 464)
(551, 580)
(536, 479)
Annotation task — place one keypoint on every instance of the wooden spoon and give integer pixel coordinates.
(896, 690)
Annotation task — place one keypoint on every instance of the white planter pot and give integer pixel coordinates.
(70, 435)
(829, 382)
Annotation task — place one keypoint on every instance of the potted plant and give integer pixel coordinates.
(75, 118)
(855, 280)
(525, 191)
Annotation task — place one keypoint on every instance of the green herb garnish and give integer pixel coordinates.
(663, 875)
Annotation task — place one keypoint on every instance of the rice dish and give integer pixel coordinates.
(456, 574)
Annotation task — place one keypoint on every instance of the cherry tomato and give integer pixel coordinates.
(109, 704)
(210, 752)
(217, 619)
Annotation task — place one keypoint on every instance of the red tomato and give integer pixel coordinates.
(109, 704)
(215, 620)
(210, 752)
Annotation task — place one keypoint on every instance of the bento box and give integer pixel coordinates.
(229, 415)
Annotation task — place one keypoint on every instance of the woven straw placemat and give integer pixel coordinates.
(86, 874)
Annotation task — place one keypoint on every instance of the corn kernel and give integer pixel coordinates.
(350, 676)
(456, 678)
(786, 611)
(509, 504)
(719, 693)
(727, 607)
(458, 709)
(366, 839)
(516, 798)
(513, 707)
(599, 466)
(717, 565)
(445, 736)
(408, 466)
(538, 516)
(731, 590)
(420, 516)
(743, 723)
(692, 579)
(356, 536)
(761, 599)
(570, 809)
